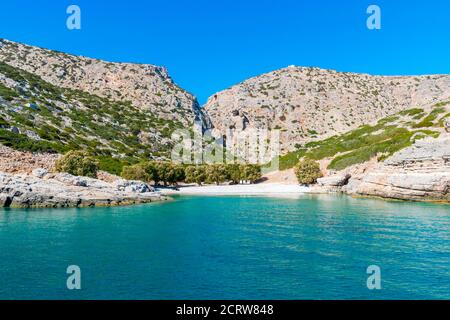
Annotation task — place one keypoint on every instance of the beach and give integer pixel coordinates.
(241, 189)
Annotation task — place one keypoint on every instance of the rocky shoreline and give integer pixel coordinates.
(42, 189)
(418, 173)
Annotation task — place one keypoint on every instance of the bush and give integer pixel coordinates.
(112, 165)
(78, 163)
(135, 172)
(308, 171)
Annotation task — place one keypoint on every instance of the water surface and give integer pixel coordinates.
(309, 247)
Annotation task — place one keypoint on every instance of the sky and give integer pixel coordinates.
(210, 45)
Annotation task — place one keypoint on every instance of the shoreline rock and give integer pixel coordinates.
(47, 190)
(418, 173)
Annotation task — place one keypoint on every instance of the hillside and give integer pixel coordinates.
(312, 104)
(147, 87)
(381, 140)
(54, 102)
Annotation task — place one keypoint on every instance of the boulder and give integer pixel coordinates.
(334, 181)
(133, 186)
(69, 179)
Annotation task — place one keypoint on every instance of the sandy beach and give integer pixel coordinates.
(253, 189)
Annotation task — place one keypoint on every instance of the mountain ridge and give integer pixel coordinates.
(128, 111)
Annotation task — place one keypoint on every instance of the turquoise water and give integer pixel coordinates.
(310, 247)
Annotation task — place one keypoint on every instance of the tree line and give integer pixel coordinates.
(168, 173)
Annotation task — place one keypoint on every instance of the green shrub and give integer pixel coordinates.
(135, 172)
(411, 112)
(308, 171)
(428, 120)
(112, 165)
(78, 163)
(175, 174)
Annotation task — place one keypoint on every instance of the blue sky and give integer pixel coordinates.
(209, 45)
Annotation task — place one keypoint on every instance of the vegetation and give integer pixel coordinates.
(135, 172)
(78, 163)
(250, 172)
(66, 119)
(195, 174)
(428, 120)
(24, 143)
(360, 145)
(412, 112)
(308, 171)
(216, 173)
(170, 174)
(7, 93)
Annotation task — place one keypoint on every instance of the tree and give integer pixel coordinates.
(151, 170)
(78, 163)
(175, 173)
(135, 172)
(308, 171)
(234, 173)
(216, 173)
(195, 174)
(163, 172)
(251, 172)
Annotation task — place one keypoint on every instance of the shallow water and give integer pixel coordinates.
(307, 247)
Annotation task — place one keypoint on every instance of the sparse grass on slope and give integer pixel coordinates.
(360, 145)
(65, 119)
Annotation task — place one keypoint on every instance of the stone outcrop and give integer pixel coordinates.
(420, 172)
(337, 180)
(47, 190)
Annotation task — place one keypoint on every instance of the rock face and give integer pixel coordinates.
(312, 104)
(420, 172)
(64, 190)
(334, 181)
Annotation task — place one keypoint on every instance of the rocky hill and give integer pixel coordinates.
(121, 112)
(147, 87)
(310, 104)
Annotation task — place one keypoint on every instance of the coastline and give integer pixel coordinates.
(265, 189)
(42, 189)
